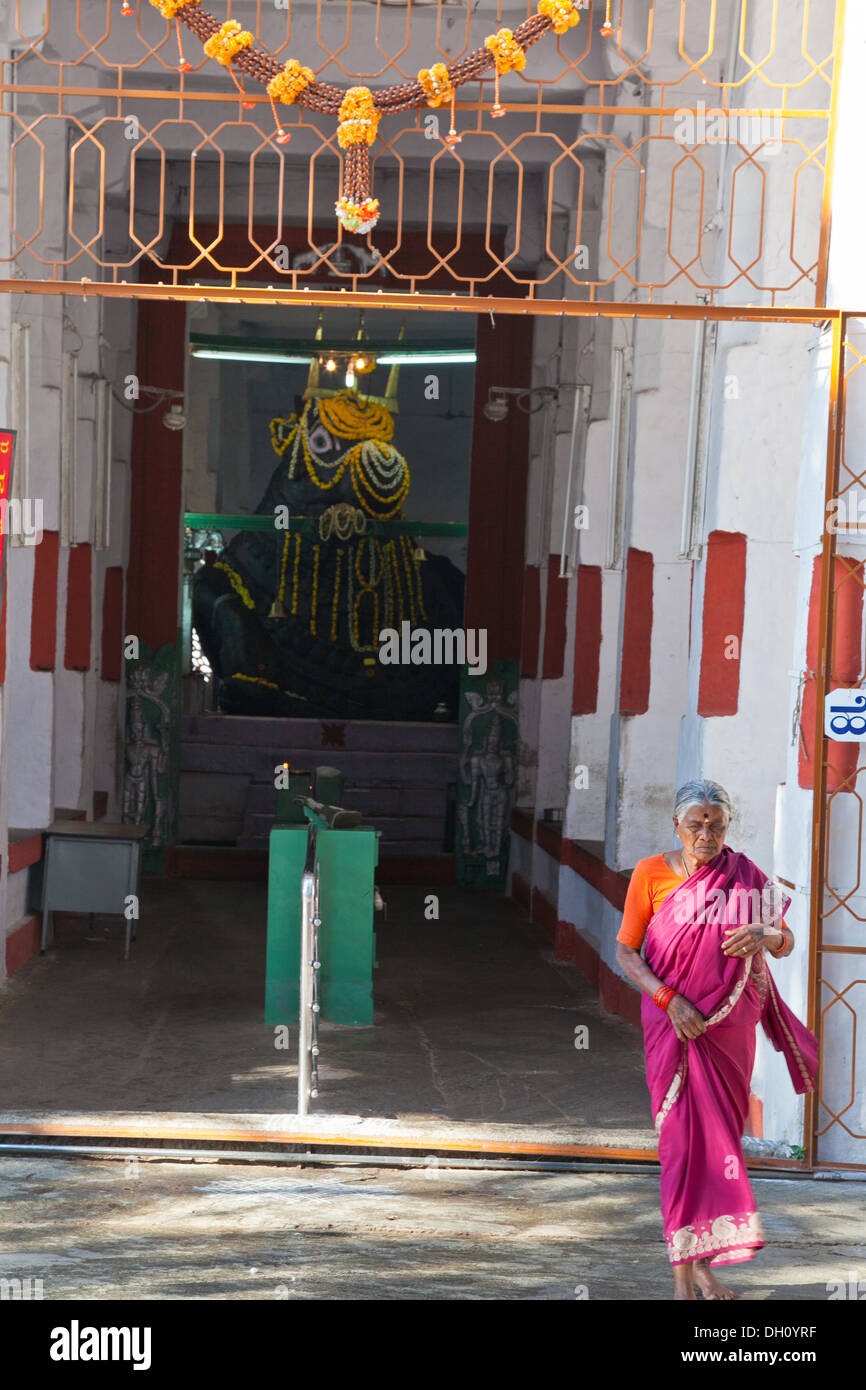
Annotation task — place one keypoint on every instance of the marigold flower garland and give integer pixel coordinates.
(286, 87)
(437, 84)
(369, 586)
(358, 108)
(359, 123)
(236, 582)
(295, 574)
(394, 567)
(229, 40)
(420, 585)
(169, 9)
(350, 417)
(254, 680)
(507, 53)
(314, 601)
(409, 585)
(279, 602)
(335, 604)
(561, 14)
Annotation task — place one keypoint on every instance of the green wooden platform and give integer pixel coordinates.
(347, 860)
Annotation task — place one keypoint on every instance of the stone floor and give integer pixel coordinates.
(197, 1230)
(474, 1036)
(475, 1026)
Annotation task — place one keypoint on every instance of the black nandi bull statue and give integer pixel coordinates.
(290, 621)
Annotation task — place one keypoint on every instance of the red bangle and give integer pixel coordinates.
(663, 996)
(786, 941)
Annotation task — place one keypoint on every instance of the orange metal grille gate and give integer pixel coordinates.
(158, 130)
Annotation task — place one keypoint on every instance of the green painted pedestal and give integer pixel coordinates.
(347, 860)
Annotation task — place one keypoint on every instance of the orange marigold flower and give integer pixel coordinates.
(437, 84)
(229, 40)
(170, 8)
(561, 13)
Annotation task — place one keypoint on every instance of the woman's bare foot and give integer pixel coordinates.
(684, 1284)
(709, 1284)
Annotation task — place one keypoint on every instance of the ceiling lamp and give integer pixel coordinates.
(375, 354)
(250, 354)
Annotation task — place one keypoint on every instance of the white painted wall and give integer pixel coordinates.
(60, 731)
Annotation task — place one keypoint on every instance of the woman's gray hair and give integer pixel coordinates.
(699, 792)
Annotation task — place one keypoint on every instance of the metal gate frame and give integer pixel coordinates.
(825, 901)
(837, 320)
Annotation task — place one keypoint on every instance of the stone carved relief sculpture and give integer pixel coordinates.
(144, 801)
(488, 770)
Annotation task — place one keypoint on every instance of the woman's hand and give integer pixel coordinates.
(687, 1021)
(743, 942)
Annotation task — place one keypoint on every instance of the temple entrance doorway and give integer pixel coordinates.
(326, 509)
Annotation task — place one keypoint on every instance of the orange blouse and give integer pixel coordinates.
(652, 881)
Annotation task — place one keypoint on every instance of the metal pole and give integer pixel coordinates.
(823, 676)
(305, 1015)
(574, 485)
(830, 157)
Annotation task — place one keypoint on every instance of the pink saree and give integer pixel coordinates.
(700, 1089)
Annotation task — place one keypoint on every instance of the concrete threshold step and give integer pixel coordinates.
(412, 1132)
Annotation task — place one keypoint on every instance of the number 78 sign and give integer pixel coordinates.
(845, 716)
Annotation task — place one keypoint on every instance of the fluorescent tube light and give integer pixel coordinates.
(431, 358)
(297, 354)
(250, 355)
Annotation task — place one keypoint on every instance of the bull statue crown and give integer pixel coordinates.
(315, 392)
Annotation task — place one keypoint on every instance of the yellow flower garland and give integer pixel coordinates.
(374, 551)
(288, 84)
(351, 417)
(389, 589)
(353, 459)
(254, 680)
(335, 604)
(357, 211)
(357, 217)
(229, 40)
(295, 574)
(359, 118)
(338, 471)
(420, 585)
(394, 502)
(508, 54)
(281, 591)
(561, 14)
(315, 598)
(356, 457)
(403, 542)
(236, 582)
(277, 445)
(437, 84)
(169, 9)
(394, 567)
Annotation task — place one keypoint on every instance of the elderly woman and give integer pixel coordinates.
(706, 917)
